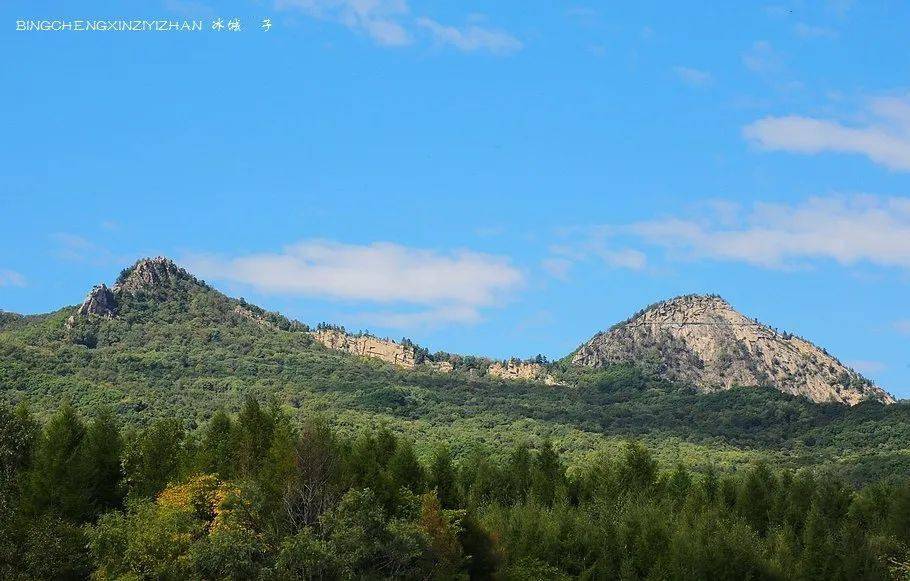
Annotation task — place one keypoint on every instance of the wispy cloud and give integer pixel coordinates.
(75, 248)
(471, 38)
(762, 58)
(434, 317)
(557, 266)
(11, 278)
(623, 258)
(450, 287)
(592, 245)
(839, 8)
(809, 31)
(902, 326)
(693, 77)
(848, 230)
(867, 367)
(884, 139)
(378, 19)
(391, 23)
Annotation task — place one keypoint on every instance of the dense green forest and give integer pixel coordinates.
(252, 496)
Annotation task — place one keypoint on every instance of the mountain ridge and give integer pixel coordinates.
(183, 351)
(692, 339)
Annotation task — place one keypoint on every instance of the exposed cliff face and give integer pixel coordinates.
(152, 274)
(405, 356)
(701, 340)
(367, 346)
(520, 370)
(100, 302)
(383, 349)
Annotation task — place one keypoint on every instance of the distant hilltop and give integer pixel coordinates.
(702, 341)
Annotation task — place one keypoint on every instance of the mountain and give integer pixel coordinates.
(702, 341)
(157, 285)
(695, 340)
(159, 343)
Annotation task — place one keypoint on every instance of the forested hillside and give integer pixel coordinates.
(252, 496)
(178, 349)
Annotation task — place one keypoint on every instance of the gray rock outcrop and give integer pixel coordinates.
(702, 341)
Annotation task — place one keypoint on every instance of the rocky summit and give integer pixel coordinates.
(150, 274)
(100, 302)
(702, 341)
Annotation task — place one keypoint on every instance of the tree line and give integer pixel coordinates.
(254, 496)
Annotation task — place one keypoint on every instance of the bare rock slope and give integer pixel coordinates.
(515, 369)
(100, 301)
(702, 341)
(367, 346)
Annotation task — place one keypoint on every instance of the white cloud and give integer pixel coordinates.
(625, 258)
(11, 278)
(379, 19)
(693, 77)
(867, 367)
(557, 267)
(809, 31)
(848, 230)
(471, 38)
(73, 247)
(762, 58)
(884, 140)
(593, 246)
(892, 109)
(450, 287)
(390, 23)
(435, 317)
(839, 7)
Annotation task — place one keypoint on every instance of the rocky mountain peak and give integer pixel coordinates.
(685, 309)
(152, 274)
(702, 341)
(100, 302)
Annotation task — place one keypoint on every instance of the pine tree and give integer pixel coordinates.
(57, 479)
(639, 470)
(519, 472)
(254, 437)
(153, 458)
(19, 433)
(101, 450)
(216, 452)
(443, 478)
(444, 545)
(405, 469)
(548, 475)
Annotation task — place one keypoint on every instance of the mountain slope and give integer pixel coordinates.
(701, 340)
(170, 346)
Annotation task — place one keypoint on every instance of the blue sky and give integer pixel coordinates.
(498, 178)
